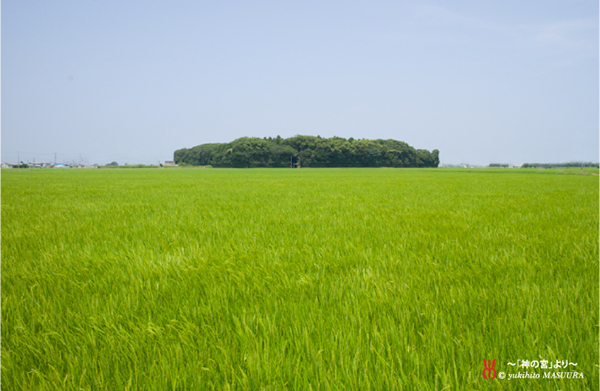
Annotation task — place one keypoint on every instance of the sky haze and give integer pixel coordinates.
(483, 82)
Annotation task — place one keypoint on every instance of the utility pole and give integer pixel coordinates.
(18, 161)
(55, 158)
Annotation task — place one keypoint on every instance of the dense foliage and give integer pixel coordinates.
(308, 151)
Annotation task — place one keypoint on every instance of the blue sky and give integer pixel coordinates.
(482, 81)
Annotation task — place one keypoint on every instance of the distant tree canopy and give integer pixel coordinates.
(552, 165)
(309, 151)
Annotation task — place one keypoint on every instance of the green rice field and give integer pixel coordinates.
(311, 279)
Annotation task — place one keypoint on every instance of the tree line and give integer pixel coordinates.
(307, 151)
(557, 165)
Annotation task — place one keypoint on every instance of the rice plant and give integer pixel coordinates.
(274, 279)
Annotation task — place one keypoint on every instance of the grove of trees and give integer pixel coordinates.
(308, 151)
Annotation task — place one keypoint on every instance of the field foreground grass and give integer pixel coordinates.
(323, 279)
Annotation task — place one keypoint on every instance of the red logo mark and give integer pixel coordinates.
(489, 368)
